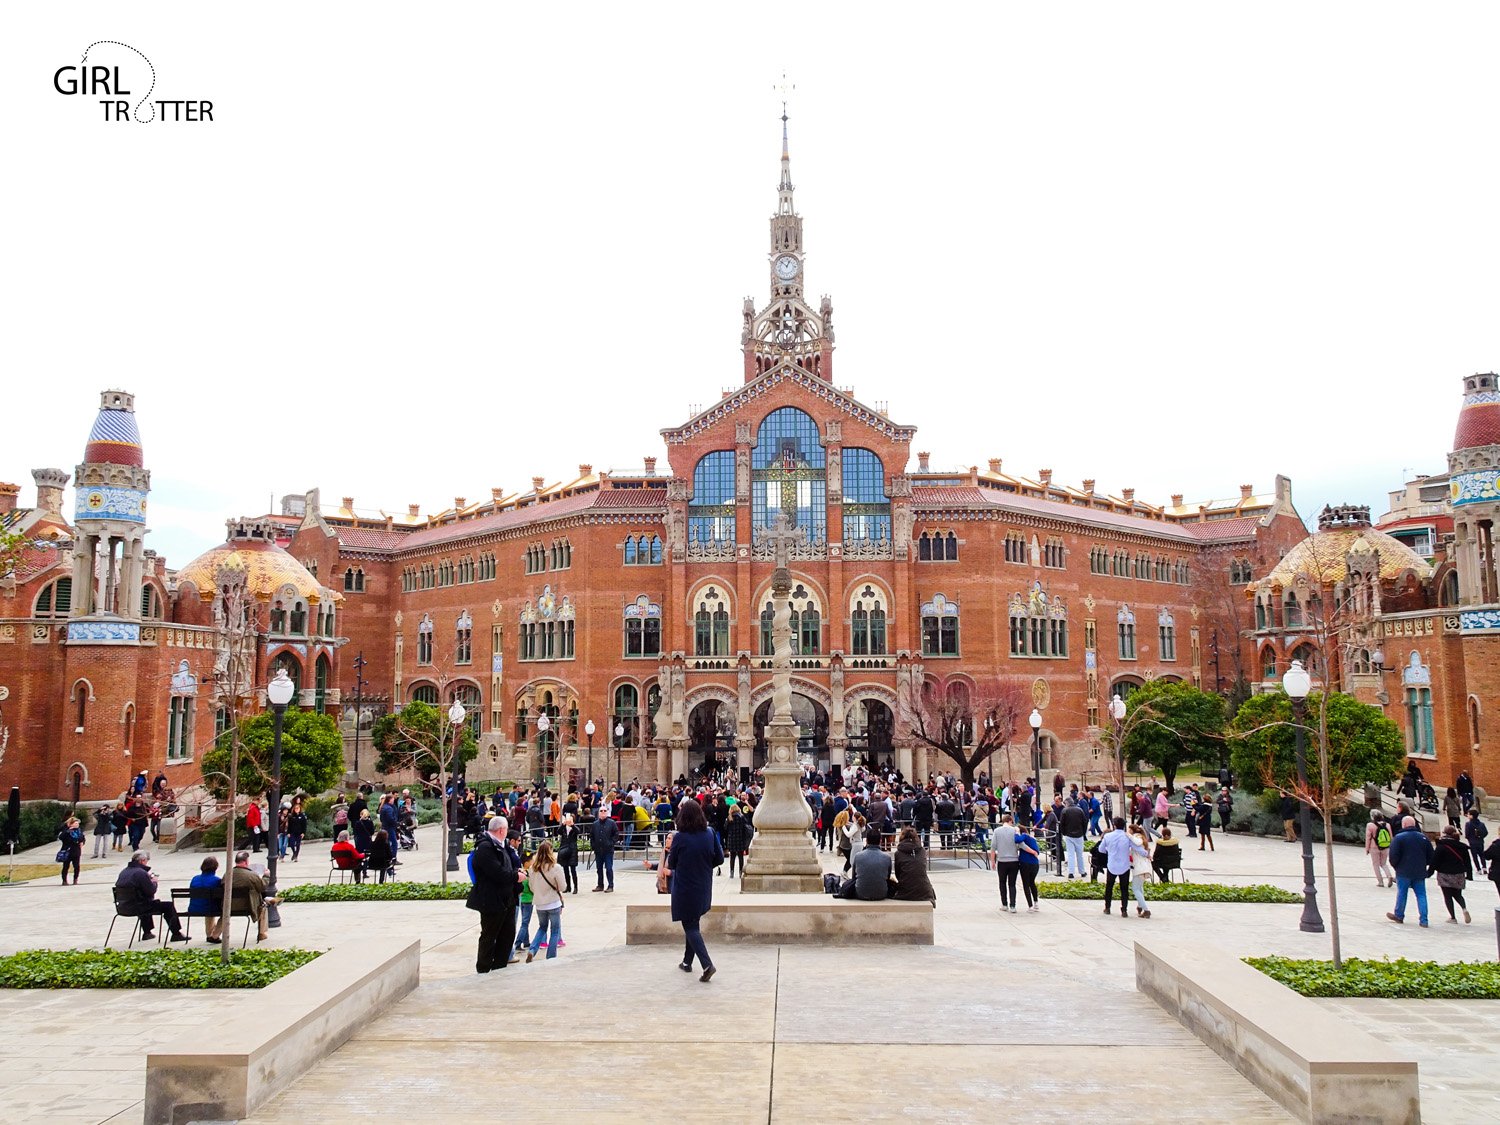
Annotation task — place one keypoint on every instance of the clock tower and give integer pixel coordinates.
(787, 330)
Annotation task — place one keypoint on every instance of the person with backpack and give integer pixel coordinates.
(1225, 805)
(1475, 832)
(1378, 848)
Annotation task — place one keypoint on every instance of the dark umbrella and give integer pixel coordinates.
(13, 816)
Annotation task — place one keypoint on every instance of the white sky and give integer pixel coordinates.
(426, 249)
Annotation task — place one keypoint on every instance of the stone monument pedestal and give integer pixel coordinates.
(781, 859)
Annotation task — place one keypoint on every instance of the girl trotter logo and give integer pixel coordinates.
(96, 79)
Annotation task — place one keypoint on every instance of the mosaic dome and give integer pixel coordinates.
(1479, 417)
(268, 569)
(1323, 557)
(114, 440)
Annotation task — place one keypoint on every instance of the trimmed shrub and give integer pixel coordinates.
(42, 820)
(1392, 980)
(379, 892)
(1175, 892)
(148, 968)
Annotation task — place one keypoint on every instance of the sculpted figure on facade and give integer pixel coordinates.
(835, 471)
(742, 474)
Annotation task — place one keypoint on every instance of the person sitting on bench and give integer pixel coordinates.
(1167, 856)
(872, 871)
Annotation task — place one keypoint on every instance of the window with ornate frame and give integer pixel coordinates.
(1126, 623)
(867, 623)
(939, 627)
(788, 473)
(642, 628)
(711, 624)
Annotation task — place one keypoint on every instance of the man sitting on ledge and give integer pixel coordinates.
(872, 871)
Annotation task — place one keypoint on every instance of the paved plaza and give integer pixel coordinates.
(1005, 1012)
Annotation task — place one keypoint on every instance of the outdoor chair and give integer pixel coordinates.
(1166, 861)
(128, 906)
(343, 865)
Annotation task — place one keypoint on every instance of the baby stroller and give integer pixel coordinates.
(1427, 799)
(406, 837)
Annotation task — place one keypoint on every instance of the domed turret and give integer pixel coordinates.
(1474, 476)
(114, 440)
(110, 490)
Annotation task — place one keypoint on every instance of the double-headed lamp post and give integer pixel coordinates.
(588, 730)
(454, 767)
(1117, 713)
(279, 694)
(1297, 683)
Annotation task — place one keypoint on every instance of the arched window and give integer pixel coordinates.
(711, 624)
(867, 508)
(473, 702)
(1038, 624)
(463, 652)
(867, 623)
(940, 627)
(1166, 631)
(643, 628)
(630, 555)
(1474, 720)
(80, 703)
(425, 693)
(424, 640)
(711, 509)
(627, 710)
(1291, 611)
(1309, 657)
(150, 602)
(1125, 621)
(1448, 596)
(788, 469)
(56, 600)
(1268, 664)
(1260, 614)
(322, 674)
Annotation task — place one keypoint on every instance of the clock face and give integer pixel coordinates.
(787, 267)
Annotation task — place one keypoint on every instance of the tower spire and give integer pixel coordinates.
(784, 203)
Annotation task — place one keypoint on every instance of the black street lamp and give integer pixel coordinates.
(456, 715)
(1297, 683)
(588, 729)
(1036, 756)
(619, 751)
(359, 703)
(543, 728)
(279, 694)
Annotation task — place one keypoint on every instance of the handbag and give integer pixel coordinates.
(63, 854)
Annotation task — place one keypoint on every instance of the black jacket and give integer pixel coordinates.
(1074, 822)
(495, 889)
(1450, 857)
(567, 845)
(923, 812)
(603, 835)
(737, 833)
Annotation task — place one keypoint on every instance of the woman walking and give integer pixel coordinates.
(296, 828)
(1140, 871)
(736, 838)
(70, 853)
(567, 853)
(1378, 848)
(1030, 857)
(1453, 808)
(695, 854)
(546, 880)
(1450, 862)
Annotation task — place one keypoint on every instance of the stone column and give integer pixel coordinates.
(781, 857)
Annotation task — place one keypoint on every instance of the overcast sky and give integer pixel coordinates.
(424, 250)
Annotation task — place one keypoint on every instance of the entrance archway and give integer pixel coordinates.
(811, 718)
(711, 732)
(871, 726)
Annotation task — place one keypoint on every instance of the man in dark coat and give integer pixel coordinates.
(1411, 858)
(602, 837)
(494, 895)
(922, 817)
(139, 887)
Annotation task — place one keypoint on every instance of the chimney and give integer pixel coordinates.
(49, 490)
(585, 470)
(650, 466)
(460, 503)
(390, 521)
(1176, 499)
(414, 510)
(1088, 485)
(1246, 491)
(8, 494)
(349, 503)
(994, 464)
(495, 494)
(1128, 495)
(1045, 475)
(923, 461)
(536, 483)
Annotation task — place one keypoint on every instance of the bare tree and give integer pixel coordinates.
(968, 727)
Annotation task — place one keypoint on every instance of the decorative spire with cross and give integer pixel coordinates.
(783, 535)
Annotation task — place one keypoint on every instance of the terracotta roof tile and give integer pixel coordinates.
(499, 521)
(1241, 527)
(631, 498)
(950, 497)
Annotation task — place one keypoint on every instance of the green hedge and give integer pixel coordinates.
(375, 892)
(155, 968)
(1174, 892)
(1394, 980)
(42, 820)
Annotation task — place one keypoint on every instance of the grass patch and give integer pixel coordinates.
(376, 892)
(1175, 892)
(1390, 980)
(156, 968)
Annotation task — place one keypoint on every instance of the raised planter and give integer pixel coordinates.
(260, 1042)
(1317, 1065)
(791, 920)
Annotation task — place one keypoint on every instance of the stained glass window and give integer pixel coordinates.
(789, 472)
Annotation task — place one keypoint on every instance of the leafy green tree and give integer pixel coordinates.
(1363, 745)
(1168, 724)
(312, 755)
(416, 737)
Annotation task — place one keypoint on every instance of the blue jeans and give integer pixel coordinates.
(1075, 854)
(281, 839)
(604, 865)
(548, 922)
(523, 930)
(1419, 888)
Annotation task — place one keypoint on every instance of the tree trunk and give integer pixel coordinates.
(1169, 774)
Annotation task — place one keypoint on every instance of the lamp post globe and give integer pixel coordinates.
(1297, 684)
(1116, 708)
(588, 730)
(1035, 719)
(279, 694)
